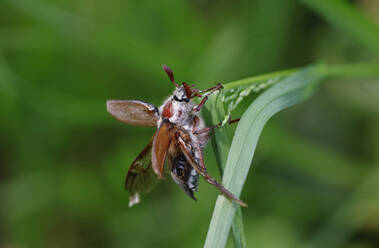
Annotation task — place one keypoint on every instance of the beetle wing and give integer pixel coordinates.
(133, 112)
(161, 143)
(140, 177)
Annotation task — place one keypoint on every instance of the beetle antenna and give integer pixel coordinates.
(170, 74)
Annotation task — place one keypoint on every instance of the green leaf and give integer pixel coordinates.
(221, 141)
(235, 92)
(237, 227)
(285, 93)
(215, 111)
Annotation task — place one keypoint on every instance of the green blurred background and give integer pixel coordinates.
(63, 158)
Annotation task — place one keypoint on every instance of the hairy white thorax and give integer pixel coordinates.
(184, 116)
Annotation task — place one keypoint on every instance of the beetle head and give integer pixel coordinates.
(184, 92)
(180, 95)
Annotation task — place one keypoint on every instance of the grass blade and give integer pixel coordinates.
(286, 93)
(237, 227)
(221, 141)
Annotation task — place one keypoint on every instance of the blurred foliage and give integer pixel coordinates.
(63, 158)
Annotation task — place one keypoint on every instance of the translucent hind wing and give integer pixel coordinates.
(140, 177)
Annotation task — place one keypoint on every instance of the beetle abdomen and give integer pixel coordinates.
(184, 175)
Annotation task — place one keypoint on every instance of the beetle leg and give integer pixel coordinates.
(198, 107)
(214, 88)
(195, 124)
(207, 129)
(196, 92)
(205, 98)
(203, 173)
(201, 157)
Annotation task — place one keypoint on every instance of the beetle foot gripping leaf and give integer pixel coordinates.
(134, 199)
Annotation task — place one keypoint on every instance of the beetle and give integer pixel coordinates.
(180, 139)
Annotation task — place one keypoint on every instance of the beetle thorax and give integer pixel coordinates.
(178, 109)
